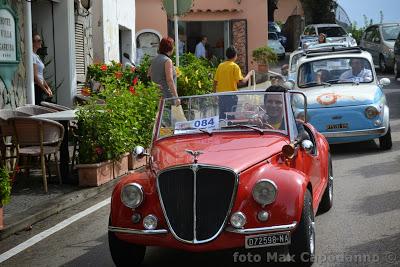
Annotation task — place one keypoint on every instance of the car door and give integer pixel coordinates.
(367, 39)
(375, 45)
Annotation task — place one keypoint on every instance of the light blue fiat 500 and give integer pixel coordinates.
(346, 102)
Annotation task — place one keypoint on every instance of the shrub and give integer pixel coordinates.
(264, 55)
(124, 121)
(5, 186)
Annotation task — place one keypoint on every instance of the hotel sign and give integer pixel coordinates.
(8, 44)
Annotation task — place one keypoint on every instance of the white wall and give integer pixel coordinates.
(118, 13)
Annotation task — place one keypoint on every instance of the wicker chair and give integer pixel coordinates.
(38, 138)
(54, 106)
(7, 146)
(35, 110)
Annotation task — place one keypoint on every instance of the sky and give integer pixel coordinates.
(371, 8)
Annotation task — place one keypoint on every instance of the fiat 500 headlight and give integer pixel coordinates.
(132, 195)
(371, 112)
(264, 192)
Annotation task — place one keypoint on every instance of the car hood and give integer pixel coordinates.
(342, 95)
(274, 44)
(235, 150)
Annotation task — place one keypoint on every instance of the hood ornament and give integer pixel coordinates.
(195, 154)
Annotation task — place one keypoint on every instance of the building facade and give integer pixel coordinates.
(73, 35)
(242, 23)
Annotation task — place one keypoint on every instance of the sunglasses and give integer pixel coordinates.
(39, 41)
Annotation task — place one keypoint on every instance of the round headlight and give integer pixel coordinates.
(150, 222)
(371, 112)
(264, 192)
(132, 195)
(238, 220)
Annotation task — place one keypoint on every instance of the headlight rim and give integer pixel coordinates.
(141, 191)
(272, 183)
(376, 112)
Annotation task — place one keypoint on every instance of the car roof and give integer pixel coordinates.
(335, 53)
(325, 25)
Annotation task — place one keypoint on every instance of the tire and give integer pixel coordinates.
(302, 248)
(124, 253)
(385, 142)
(327, 199)
(382, 64)
(396, 70)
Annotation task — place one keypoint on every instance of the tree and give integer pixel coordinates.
(319, 11)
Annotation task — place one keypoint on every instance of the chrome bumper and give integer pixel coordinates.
(136, 231)
(260, 230)
(380, 130)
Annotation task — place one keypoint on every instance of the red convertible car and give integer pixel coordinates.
(224, 171)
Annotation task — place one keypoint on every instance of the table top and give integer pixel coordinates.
(65, 115)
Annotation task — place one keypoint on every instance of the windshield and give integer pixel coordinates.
(390, 33)
(293, 63)
(244, 111)
(332, 31)
(334, 70)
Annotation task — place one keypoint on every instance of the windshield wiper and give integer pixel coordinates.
(244, 126)
(207, 131)
(311, 84)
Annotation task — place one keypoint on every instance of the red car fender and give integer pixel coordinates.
(291, 185)
(121, 214)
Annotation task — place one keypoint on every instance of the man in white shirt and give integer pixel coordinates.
(358, 72)
(201, 48)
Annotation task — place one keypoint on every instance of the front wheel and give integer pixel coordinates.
(382, 64)
(327, 199)
(124, 253)
(396, 70)
(302, 247)
(385, 142)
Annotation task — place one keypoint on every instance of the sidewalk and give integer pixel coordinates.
(29, 204)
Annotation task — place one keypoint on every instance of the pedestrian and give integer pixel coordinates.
(201, 48)
(41, 87)
(322, 38)
(227, 78)
(162, 70)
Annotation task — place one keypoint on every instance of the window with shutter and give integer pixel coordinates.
(80, 52)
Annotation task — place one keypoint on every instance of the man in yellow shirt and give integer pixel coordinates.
(226, 79)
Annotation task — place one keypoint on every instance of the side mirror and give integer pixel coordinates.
(384, 81)
(350, 34)
(127, 56)
(307, 145)
(139, 152)
(289, 84)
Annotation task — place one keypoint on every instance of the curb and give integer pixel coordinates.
(25, 219)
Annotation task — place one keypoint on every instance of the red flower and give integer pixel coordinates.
(133, 68)
(99, 150)
(134, 82)
(103, 67)
(118, 75)
(132, 90)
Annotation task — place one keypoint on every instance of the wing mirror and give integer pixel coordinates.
(307, 145)
(350, 34)
(139, 152)
(384, 81)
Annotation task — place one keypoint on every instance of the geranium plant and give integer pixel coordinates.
(124, 121)
(5, 186)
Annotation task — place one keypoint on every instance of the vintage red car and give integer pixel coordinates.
(228, 170)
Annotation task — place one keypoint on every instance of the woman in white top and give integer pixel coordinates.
(41, 87)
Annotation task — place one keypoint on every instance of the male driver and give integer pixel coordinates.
(358, 72)
(273, 104)
(201, 48)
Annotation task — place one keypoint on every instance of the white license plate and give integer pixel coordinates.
(267, 240)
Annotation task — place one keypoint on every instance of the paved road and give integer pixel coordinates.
(362, 228)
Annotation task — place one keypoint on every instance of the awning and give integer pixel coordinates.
(233, 10)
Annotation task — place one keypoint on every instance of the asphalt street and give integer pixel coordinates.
(362, 228)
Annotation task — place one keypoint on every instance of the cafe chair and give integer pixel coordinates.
(35, 110)
(54, 106)
(7, 141)
(38, 138)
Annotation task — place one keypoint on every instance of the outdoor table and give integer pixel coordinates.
(63, 117)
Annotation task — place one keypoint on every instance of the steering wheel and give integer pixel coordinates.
(263, 125)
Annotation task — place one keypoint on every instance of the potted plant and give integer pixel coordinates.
(5, 191)
(263, 56)
(109, 131)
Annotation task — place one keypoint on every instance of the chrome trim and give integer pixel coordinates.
(249, 231)
(141, 191)
(136, 231)
(380, 130)
(195, 167)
